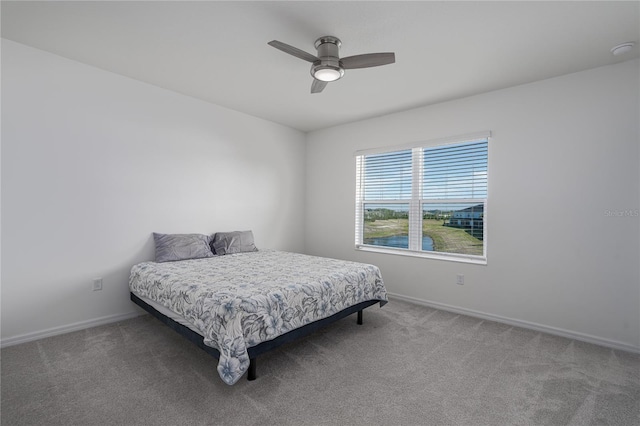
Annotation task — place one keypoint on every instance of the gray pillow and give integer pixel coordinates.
(233, 242)
(171, 247)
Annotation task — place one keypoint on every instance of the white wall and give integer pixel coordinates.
(93, 163)
(563, 152)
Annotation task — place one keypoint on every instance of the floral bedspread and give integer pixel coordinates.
(240, 300)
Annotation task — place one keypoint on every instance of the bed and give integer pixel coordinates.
(238, 306)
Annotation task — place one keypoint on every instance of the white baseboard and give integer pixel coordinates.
(29, 337)
(37, 335)
(523, 324)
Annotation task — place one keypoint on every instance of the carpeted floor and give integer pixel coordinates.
(407, 365)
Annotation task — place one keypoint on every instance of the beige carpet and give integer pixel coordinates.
(407, 365)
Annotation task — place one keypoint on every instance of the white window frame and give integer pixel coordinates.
(416, 202)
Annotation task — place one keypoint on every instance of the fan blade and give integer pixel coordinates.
(368, 60)
(293, 51)
(317, 86)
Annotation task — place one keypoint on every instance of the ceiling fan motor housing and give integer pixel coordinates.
(328, 48)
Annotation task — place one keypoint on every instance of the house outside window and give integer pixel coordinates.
(427, 200)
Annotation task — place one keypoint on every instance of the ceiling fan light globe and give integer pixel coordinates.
(327, 73)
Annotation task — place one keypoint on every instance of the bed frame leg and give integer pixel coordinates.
(360, 317)
(252, 369)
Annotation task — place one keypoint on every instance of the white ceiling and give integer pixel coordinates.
(218, 52)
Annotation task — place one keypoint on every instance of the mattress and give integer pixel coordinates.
(169, 313)
(241, 300)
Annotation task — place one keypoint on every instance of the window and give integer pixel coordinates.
(425, 200)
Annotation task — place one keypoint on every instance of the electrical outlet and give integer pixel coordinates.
(97, 284)
(460, 279)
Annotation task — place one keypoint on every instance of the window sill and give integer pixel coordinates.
(476, 260)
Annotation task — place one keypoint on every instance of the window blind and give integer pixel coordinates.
(457, 171)
(387, 176)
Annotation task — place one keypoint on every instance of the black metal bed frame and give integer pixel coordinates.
(263, 347)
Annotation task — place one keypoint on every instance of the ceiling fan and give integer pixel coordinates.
(327, 66)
